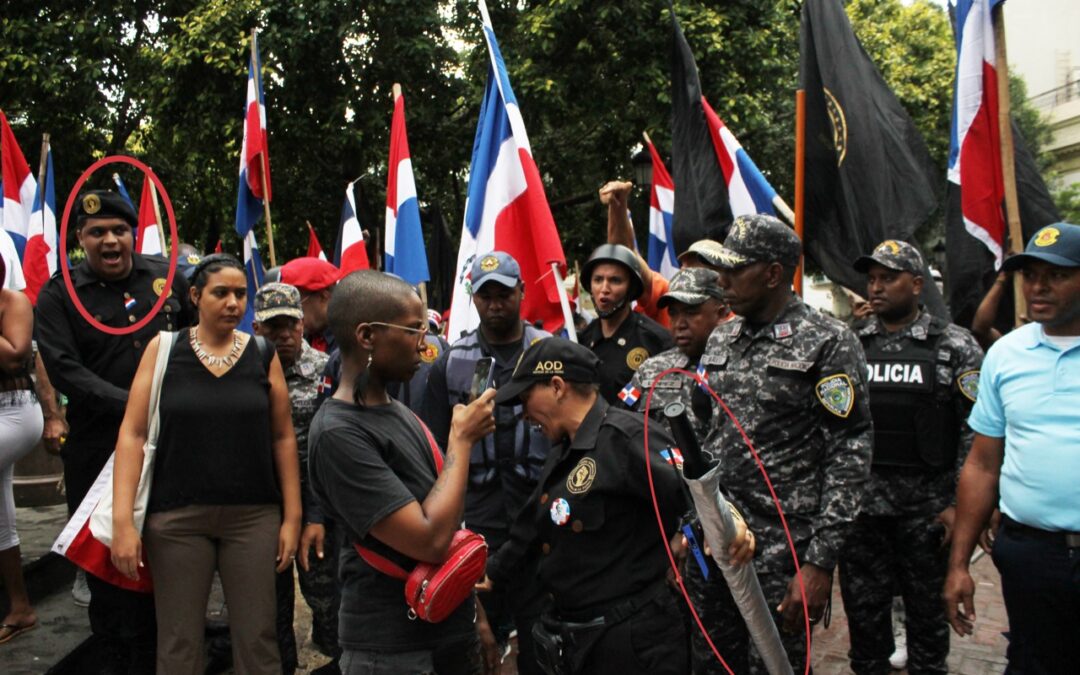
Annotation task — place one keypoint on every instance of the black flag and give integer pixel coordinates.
(702, 210)
(869, 176)
(969, 264)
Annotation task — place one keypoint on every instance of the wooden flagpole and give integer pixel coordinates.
(157, 216)
(262, 157)
(43, 168)
(800, 177)
(1008, 158)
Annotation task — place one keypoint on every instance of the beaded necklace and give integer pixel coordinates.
(212, 360)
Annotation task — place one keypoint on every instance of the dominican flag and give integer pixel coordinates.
(405, 253)
(748, 191)
(975, 146)
(40, 257)
(254, 160)
(630, 395)
(350, 251)
(19, 187)
(506, 208)
(314, 248)
(122, 189)
(149, 240)
(661, 207)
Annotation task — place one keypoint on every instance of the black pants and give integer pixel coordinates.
(515, 606)
(651, 642)
(1040, 581)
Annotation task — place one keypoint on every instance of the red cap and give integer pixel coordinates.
(310, 275)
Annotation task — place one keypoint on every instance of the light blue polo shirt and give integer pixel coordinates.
(1029, 393)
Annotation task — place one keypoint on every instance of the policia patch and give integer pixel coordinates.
(969, 384)
(837, 394)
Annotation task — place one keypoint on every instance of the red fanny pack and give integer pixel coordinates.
(433, 591)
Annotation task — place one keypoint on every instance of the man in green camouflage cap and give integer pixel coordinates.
(796, 381)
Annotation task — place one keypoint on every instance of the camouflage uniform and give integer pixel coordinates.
(319, 584)
(797, 385)
(896, 541)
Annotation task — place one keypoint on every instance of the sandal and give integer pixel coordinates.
(14, 631)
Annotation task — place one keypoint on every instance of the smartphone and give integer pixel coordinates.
(482, 377)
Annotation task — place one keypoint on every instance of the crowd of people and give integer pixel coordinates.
(348, 438)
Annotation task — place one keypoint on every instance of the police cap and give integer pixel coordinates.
(1057, 244)
(759, 238)
(277, 299)
(692, 286)
(545, 359)
(616, 253)
(497, 266)
(895, 255)
(104, 204)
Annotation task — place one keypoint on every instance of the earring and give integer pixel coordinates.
(369, 357)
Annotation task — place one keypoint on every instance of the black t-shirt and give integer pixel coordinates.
(214, 446)
(637, 338)
(366, 463)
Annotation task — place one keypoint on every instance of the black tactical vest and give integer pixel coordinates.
(915, 423)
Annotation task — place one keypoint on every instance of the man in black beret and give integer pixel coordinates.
(94, 369)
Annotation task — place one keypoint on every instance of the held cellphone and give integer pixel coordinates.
(482, 377)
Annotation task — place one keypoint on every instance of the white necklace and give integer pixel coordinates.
(212, 360)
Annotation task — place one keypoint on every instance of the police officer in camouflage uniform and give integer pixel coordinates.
(923, 375)
(796, 381)
(622, 338)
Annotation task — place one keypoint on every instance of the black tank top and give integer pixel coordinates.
(214, 447)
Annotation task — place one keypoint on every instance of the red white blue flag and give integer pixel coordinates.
(405, 252)
(19, 187)
(314, 248)
(748, 190)
(975, 147)
(254, 161)
(350, 251)
(40, 257)
(149, 240)
(661, 209)
(506, 208)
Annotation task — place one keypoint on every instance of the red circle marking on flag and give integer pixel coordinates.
(173, 237)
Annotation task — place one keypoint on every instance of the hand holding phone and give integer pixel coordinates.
(482, 377)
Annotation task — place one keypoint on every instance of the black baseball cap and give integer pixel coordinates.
(544, 360)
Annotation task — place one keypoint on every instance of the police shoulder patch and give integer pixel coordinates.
(581, 478)
(968, 382)
(837, 394)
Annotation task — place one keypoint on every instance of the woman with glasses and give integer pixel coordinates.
(373, 469)
(225, 494)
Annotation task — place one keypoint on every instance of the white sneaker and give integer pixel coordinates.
(80, 592)
(898, 660)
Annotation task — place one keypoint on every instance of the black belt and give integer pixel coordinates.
(612, 614)
(1068, 539)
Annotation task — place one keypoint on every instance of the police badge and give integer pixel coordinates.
(837, 394)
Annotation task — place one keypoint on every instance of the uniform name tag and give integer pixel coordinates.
(671, 382)
(714, 359)
(784, 364)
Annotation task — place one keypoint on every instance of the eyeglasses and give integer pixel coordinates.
(418, 332)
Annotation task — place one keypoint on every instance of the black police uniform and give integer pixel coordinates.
(591, 522)
(637, 338)
(94, 370)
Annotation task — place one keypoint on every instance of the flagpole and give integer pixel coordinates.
(564, 301)
(157, 216)
(262, 157)
(1008, 159)
(800, 177)
(41, 177)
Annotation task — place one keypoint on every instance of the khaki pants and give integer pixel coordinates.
(184, 547)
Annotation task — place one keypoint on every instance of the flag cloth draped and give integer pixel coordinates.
(405, 254)
(350, 251)
(254, 159)
(40, 257)
(506, 208)
(970, 266)
(661, 207)
(869, 176)
(149, 240)
(314, 248)
(702, 210)
(975, 142)
(122, 189)
(19, 187)
(748, 190)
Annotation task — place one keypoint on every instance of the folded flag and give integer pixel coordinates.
(350, 251)
(405, 252)
(661, 215)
